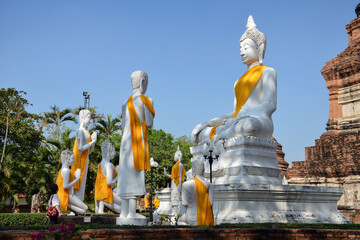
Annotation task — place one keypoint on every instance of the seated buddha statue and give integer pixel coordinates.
(255, 96)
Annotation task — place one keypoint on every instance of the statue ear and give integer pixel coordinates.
(261, 50)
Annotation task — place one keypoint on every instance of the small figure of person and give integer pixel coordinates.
(54, 201)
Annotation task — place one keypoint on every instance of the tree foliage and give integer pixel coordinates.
(30, 162)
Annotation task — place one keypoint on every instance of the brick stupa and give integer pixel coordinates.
(335, 158)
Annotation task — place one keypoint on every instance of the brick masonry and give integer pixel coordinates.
(202, 233)
(334, 161)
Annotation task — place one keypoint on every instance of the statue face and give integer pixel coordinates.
(112, 152)
(177, 157)
(248, 51)
(87, 120)
(143, 85)
(71, 160)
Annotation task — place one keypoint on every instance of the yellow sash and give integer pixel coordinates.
(63, 193)
(140, 152)
(245, 84)
(213, 131)
(80, 161)
(175, 173)
(204, 212)
(102, 190)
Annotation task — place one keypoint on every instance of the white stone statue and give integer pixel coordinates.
(65, 181)
(243, 136)
(197, 198)
(106, 177)
(177, 178)
(255, 96)
(137, 116)
(84, 145)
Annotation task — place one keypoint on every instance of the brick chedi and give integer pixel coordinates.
(335, 158)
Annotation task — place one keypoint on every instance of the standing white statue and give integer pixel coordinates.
(137, 116)
(177, 178)
(105, 179)
(84, 145)
(197, 198)
(65, 181)
(255, 96)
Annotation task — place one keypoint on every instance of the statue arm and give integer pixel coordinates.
(66, 177)
(165, 173)
(80, 138)
(123, 115)
(109, 174)
(211, 123)
(148, 116)
(187, 195)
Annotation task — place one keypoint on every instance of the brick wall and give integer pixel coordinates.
(198, 233)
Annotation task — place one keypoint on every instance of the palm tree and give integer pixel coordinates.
(65, 143)
(58, 117)
(108, 127)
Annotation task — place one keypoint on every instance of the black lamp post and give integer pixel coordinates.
(208, 155)
(155, 165)
(86, 100)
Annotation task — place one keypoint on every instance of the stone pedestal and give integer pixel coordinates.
(260, 203)
(131, 221)
(164, 197)
(245, 159)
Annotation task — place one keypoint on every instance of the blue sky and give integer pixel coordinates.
(55, 50)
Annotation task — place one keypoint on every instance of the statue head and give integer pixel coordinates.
(254, 40)
(178, 155)
(85, 117)
(197, 168)
(67, 156)
(139, 80)
(108, 150)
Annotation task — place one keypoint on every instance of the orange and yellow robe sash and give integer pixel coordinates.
(63, 193)
(140, 152)
(175, 173)
(80, 161)
(103, 192)
(204, 212)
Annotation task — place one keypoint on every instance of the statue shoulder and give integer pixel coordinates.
(65, 171)
(269, 72)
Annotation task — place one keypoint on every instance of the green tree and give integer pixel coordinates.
(162, 147)
(57, 117)
(21, 140)
(65, 143)
(108, 127)
(12, 107)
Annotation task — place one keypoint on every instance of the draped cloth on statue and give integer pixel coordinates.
(103, 192)
(140, 147)
(242, 89)
(80, 161)
(175, 173)
(204, 211)
(245, 85)
(63, 193)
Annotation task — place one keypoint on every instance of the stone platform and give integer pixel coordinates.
(245, 159)
(91, 219)
(261, 203)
